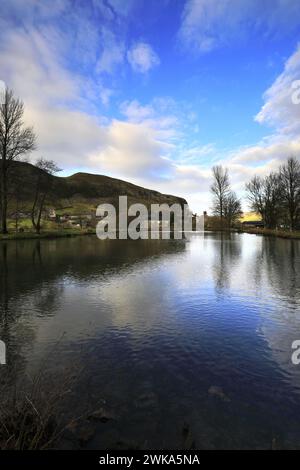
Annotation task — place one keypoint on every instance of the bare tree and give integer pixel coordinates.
(19, 192)
(43, 187)
(232, 209)
(290, 178)
(273, 200)
(220, 189)
(15, 142)
(255, 195)
(265, 198)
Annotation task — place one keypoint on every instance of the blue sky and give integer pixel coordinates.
(156, 92)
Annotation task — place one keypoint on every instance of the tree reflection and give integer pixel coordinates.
(279, 259)
(35, 273)
(226, 255)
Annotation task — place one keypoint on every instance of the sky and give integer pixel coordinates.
(157, 92)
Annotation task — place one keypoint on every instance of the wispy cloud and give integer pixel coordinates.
(142, 57)
(161, 115)
(113, 53)
(209, 24)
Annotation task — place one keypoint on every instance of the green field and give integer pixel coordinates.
(48, 233)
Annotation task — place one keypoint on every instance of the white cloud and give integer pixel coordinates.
(66, 136)
(31, 68)
(112, 54)
(132, 150)
(257, 155)
(199, 151)
(161, 114)
(105, 95)
(135, 112)
(142, 57)
(279, 110)
(208, 24)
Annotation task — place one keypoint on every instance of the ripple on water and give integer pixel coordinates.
(153, 328)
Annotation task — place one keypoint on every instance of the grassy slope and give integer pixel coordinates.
(83, 192)
(78, 194)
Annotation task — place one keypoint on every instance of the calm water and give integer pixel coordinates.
(169, 334)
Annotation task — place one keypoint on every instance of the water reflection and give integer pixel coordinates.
(155, 325)
(227, 254)
(59, 277)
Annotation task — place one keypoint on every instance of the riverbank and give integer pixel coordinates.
(272, 233)
(66, 233)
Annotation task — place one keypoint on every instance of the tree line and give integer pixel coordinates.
(275, 197)
(17, 141)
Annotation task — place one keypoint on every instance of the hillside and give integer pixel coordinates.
(250, 217)
(84, 191)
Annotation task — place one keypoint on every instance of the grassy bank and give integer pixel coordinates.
(272, 233)
(67, 233)
(59, 233)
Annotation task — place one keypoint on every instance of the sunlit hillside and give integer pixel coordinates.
(249, 216)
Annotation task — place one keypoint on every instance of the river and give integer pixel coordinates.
(187, 342)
